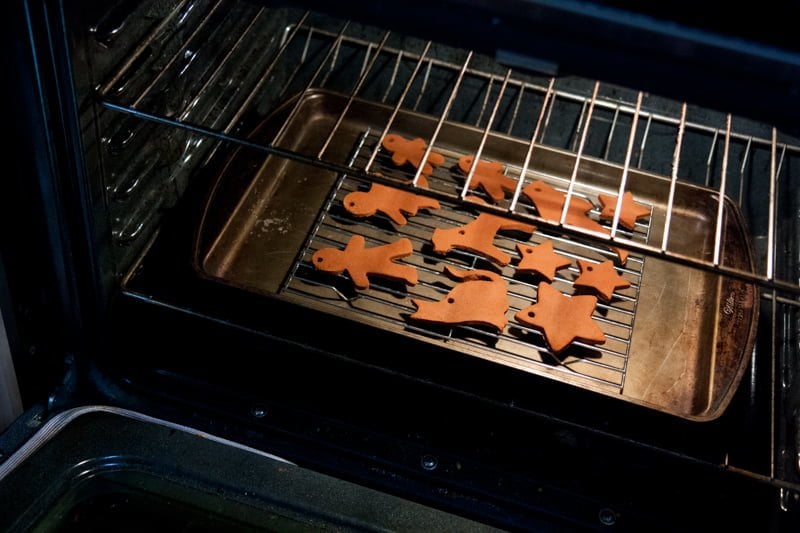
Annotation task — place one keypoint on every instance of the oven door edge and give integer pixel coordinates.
(103, 463)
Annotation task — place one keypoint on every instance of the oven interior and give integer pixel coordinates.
(218, 141)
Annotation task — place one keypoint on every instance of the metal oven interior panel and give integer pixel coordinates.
(193, 101)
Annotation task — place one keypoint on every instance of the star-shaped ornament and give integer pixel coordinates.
(602, 277)
(541, 260)
(630, 213)
(562, 319)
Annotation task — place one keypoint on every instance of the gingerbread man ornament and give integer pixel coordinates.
(361, 262)
(489, 176)
(405, 151)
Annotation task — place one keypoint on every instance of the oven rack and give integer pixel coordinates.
(603, 365)
(729, 154)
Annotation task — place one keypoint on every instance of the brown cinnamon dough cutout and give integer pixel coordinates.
(478, 237)
(630, 213)
(422, 182)
(541, 260)
(361, 262)
(475, 199)
(602, 277)
(480, 299)
(405, 151)
(562, 319)
(549, 202)
(387, 200)
(489, 176)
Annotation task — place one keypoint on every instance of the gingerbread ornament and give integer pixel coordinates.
(488, 176)
(562, 319)
(361, 262)
(541, 260)
(405, 151)
(630, 212)
(478, 237)
(480, 299)
(601, 278)
(387, 200)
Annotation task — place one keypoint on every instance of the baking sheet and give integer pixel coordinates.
(678, 340)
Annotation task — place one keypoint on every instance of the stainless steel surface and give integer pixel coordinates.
(276, 225)
(674, 179)
(723, 180)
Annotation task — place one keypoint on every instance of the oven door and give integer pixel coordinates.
(101, 468)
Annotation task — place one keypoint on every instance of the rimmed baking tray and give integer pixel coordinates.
(678, 339)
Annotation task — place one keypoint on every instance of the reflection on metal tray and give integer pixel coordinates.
(678, 339)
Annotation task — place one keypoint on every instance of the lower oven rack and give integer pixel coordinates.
(750, 164)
